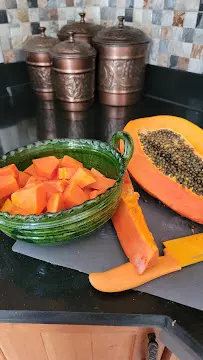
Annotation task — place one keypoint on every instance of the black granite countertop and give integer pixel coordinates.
(35, 291)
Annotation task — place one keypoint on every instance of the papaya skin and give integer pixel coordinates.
(181, 200)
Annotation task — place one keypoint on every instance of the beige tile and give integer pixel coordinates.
(8, 56)
(163, 60)
(166, 33)
(197, 51)
(182, 63)
(42, 3)
(178, 19)
(22, 15)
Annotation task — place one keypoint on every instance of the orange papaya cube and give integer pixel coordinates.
(55, 186)
(74, 195)
(10, 170)
(55, 203)
(96, 173)
(8, 184)
(65, 172)
(68, 161)
(46, 166)
(16, 210)
(35, 179)
(30, 170)
(83, 177)
(7, 206)
(23, 179)
(102, 184)
(94, 194)
(31, 198)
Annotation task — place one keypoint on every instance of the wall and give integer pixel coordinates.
(175, 26)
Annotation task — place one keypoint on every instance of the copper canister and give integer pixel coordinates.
(83, 31)
(74, 73)
(122, 55)
(40, 64)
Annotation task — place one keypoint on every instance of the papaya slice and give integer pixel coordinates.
(93, 194)
(83, 177)
(23, 178)
(102, 183)
(46, 167)
(55, 186)
(68, 161)
(125, 277)
(168, 164)
(96, 172)
(8, 184)
(30, 198)
(9, 170)
(12, 209)
(65, 172)
(55, 203)
(74, 195)
(7, 206)
(30, 170)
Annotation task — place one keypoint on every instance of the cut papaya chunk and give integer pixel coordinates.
(167, 162)
(35, 179)
(102, 184)
(96, 172)
(16, 210)
(125, 277)
(133, 233)
(68, 161)
(8, 184)
(94, 194)
(10, 170)
(7, 206)
(127, 188)
(74, 195)
(65, 172)
(30, 170)
(22, 178)
(55, 203)
(30, 198)
(55, 186)
(83, 177)
(2, 200)
(46, 167)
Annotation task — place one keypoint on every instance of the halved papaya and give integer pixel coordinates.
(167, 162)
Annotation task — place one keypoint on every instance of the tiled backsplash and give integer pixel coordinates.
(174, 26)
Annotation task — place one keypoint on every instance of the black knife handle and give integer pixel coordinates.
(152, 347)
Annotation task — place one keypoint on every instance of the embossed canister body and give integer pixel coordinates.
(74, 74)
(40, 64)
(122, 55)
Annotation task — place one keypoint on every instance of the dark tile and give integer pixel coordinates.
(199, 23)
(129, 15)
(3, 17)
(129, 4)
(188, 35)
(173, 61)
(32, 3)
(11, 4)
(156, 17)
(35, 28)
(112, 3)
(201, 5)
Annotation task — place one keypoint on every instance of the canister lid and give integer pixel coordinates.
(120, 35)
(79, 27)
(71, 49)
(40, 44)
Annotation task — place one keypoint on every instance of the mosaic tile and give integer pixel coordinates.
(1, 55)
(11, 4)
(201, 5)
(182, 63)
(137, 16)
(120, 12)
(190, 19)
(35, 28)
(163, 46)
(129, 15)
(5, 42)
(156, 30)
(96, 14)
(147, 16)
(61, 23)
(22, 4)
(52, 14)
(178, 18)
(42, 3)
(61, 14)
(138, 4)
(120, 3)
(198, 36)
(156, 17)
(3, 17)
(2, 5)
(61, 3)
(4, 29)
(166, 33)
(33, 15)
(168, 4)
(70, 13)
(15, 30)
(43, 14)
(173, 61)
(180, 49)
(104, 13)
(25, 28)
(147, 4)
(69, 3)
(32, 3)
(187, 5)
(199, 23)
(8, 56)
(162, 60)
(197, 52)
(19, 55)
(112, 3)
(80, 3)
(158, 4)
(177, 33)
(129, 3)
(195, 66)
(167, 17)
(22, 15)
(154, 51)
(188, 35)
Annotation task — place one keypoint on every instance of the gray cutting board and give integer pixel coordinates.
(101, 251)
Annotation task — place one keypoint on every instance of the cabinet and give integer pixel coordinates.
(76, 342)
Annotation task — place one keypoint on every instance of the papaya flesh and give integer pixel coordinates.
(168, 163)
